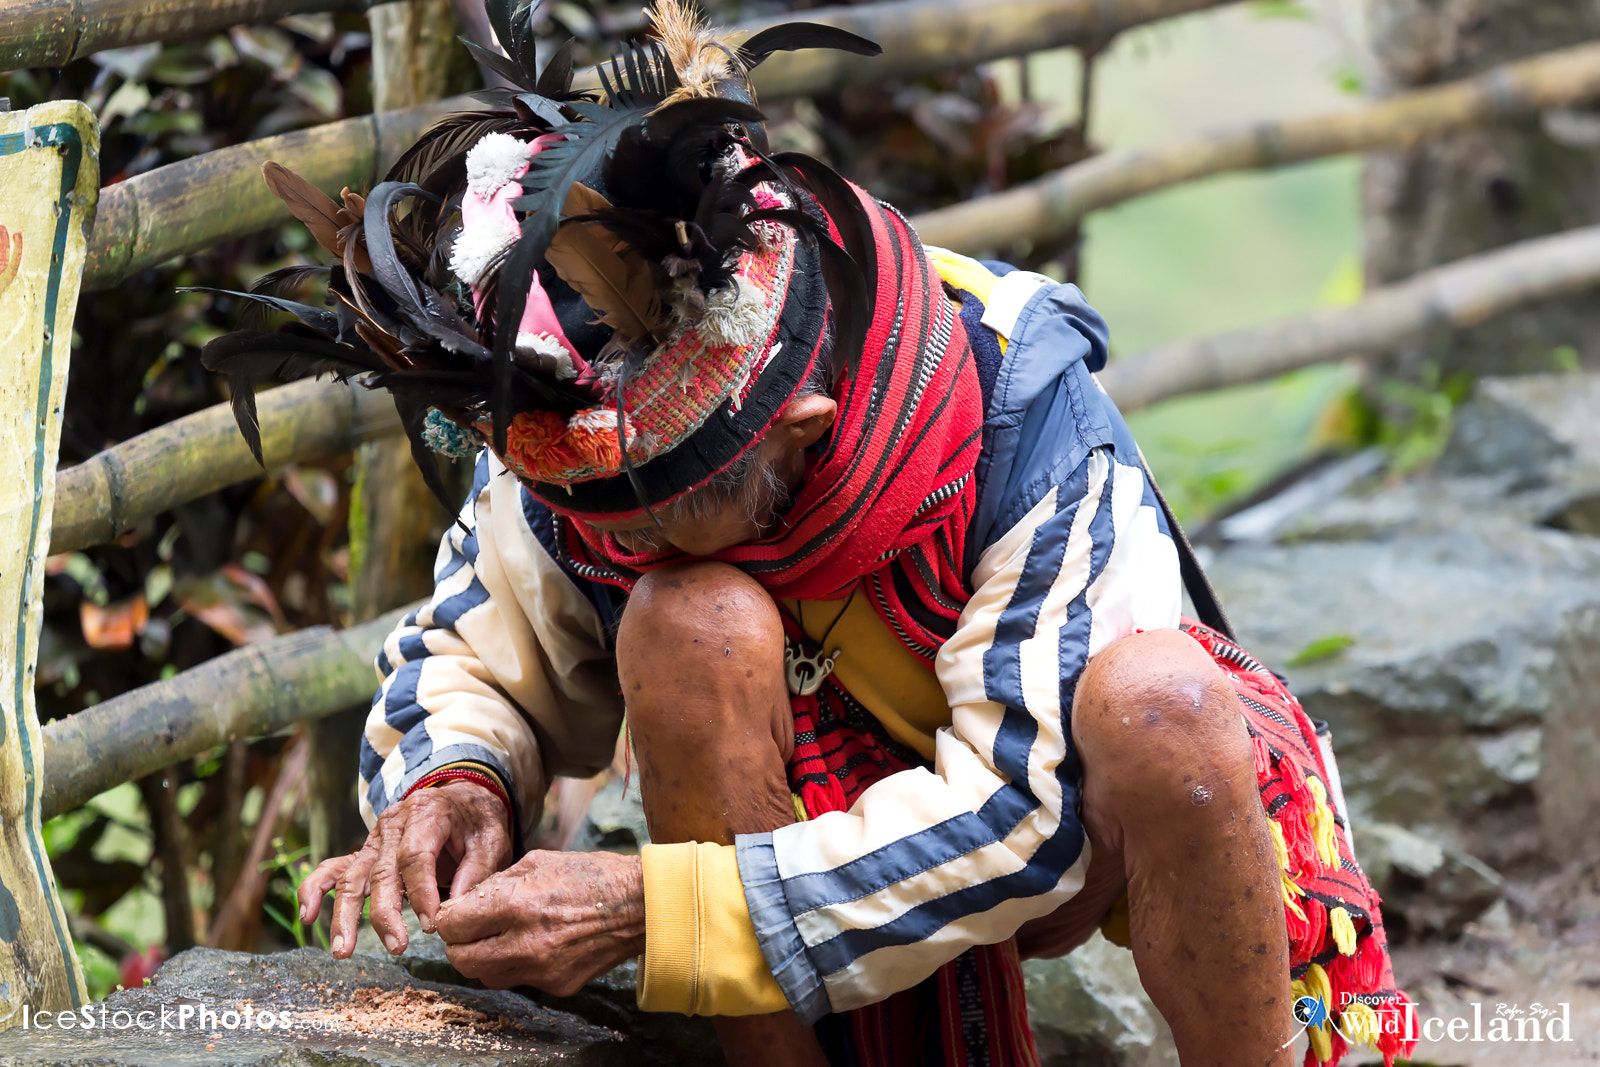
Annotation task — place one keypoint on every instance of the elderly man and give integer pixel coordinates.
(846, 534)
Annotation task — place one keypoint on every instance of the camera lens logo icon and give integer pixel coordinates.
(1309, 1011)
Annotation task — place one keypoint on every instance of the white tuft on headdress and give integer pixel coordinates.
(599, 420)
(769, 233)
(495, 160)
(735, 314)
(547, 346)
(477, 248)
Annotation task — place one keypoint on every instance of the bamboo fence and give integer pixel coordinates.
(1461, 294)
(114, 491)
(927, 36)
(52, 33)
(1052, 205)
(187, 206)
(250, 692)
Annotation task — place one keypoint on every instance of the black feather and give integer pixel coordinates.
(248, 357)
(542, 108)
(847, 291)
(318, 319)
(489, 60)
(792, 36)
(697, 115)
(512, 20)
(555, 81)
(834, 195)
(387, 268)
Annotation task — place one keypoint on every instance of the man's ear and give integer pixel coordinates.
(802, 422)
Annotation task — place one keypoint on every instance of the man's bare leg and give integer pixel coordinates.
(1170, 790)
(700, 658)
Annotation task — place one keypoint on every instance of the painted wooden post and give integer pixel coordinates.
(50, 172)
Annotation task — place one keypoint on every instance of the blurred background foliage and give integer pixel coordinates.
(209, 851)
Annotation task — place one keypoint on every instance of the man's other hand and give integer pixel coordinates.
(458, 827)
(553, 920)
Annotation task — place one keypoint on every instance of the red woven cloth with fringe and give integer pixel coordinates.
(973, 1010)
(1337, 949)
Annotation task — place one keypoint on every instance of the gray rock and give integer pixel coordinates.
(1089, 1010)
(1471, 596)
(615, 821)
(1474, 658)
(438, 1023)
(656, 1039)
(1428, 889)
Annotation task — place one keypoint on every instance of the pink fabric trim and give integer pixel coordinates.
(538, 316)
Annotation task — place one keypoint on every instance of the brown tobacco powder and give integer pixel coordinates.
(412, 1011)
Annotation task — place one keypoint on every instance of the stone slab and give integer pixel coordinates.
(422, 1024)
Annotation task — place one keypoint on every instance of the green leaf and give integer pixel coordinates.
(1279, 9)
(295, 930)
(1325, 647)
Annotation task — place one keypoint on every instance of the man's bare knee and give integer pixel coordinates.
(702, 638)
(692, 604)
(1154, 714)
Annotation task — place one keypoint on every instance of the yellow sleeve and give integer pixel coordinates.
(701, 956)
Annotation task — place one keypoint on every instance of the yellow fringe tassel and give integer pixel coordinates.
(1322, 825)
(1317, 985)
(1280, 847)
(1360, 1025)
(1343, 930)
(1321, 1042)
(1290, 892)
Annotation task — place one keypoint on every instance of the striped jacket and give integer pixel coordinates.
(509, 668)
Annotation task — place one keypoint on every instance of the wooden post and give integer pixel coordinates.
(49, 169)
(395, 523)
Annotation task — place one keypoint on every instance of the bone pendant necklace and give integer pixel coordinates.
(805, 669)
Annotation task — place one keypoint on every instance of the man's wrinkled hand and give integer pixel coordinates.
(553, 920)
(458, 829)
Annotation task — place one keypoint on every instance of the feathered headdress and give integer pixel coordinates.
(617, 290)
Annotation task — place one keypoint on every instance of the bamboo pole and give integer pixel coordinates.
(112, 492)
(1460, 295)
(249, 692)
(184, 207)
(1053, 204)
(49, 172)
(52, 33)
(922, 37)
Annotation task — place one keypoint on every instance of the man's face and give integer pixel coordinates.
(800, 425)
(703, 535)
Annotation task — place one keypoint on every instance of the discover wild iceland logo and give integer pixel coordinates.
(1364, 1018)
